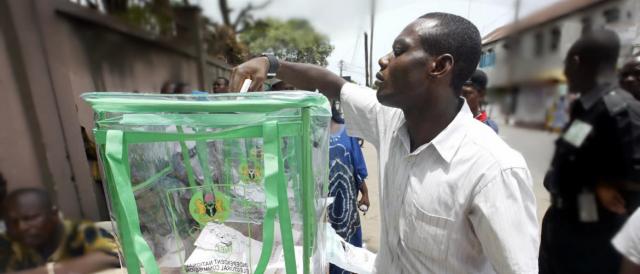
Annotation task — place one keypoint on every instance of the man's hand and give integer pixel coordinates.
(364, 191)
(364, 200)
(254, 69)
(610, 198)
(302, 76)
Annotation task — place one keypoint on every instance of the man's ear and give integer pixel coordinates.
(441, 65)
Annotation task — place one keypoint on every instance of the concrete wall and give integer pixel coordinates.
(16, 152)
(50, 53)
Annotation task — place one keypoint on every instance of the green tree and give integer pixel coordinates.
(292, 40)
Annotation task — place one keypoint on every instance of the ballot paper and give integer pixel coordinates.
(222, 249)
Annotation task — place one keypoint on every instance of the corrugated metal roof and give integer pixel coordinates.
(550, 13)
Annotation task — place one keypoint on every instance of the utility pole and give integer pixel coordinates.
(366, 60)
(373, 16)
(341, 64)
(512, 63)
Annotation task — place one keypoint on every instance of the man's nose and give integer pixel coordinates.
(384, 61)
(23, 225)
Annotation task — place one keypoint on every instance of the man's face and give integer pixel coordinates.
(403, 76)
(220, 86)
(630, 77)
(30, 222)
(473, 97)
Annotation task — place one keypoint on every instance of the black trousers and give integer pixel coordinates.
(571, 247)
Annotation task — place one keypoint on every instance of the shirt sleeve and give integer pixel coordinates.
(364, 116)
(627, 241)
(503, 214)
(359, 165)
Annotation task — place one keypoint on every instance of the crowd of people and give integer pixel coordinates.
(455, 198)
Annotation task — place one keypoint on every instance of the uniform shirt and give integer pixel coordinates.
(593, 148)
(79, 238)
(462, 203)
(627, 242)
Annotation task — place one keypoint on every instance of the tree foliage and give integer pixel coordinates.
(154, 16)
(292, 40)
(244, 17)
(223, 44)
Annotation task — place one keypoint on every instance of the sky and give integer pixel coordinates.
(345, 21)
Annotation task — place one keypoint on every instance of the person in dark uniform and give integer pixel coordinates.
(593, 165)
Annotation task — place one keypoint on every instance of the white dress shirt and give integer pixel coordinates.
(627, 241)
(462, 203)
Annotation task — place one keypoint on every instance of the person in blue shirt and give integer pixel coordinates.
(347, 173)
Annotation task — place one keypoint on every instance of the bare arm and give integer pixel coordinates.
(89, 263)
(302, 76)
(364, 191)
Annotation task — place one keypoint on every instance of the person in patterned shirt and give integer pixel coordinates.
(39, 241)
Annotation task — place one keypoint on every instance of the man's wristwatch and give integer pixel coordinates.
(273, 65)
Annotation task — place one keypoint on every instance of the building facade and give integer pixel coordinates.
(525, 60)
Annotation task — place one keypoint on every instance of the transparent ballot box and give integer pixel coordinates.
(216, 183)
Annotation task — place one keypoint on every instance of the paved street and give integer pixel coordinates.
(535, 145)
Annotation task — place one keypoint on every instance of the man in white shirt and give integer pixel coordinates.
(627, 242)
(454, 197)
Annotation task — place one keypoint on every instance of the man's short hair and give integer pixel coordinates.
(42, 196)
(226, 81)
(597, 47)
(456, 36)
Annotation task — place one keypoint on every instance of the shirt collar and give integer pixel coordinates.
(448, 140)
(591, 98)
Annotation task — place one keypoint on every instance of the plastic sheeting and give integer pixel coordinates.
(216, 183)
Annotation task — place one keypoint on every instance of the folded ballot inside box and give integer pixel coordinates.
(222, 249)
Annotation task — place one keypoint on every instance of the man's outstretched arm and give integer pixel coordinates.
(302, 76)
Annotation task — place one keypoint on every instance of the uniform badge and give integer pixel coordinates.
(577, 133)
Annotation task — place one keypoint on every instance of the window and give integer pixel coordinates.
(538, 44)
(611, 15)
(556, 35)
(488, 58)
(511, 43)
